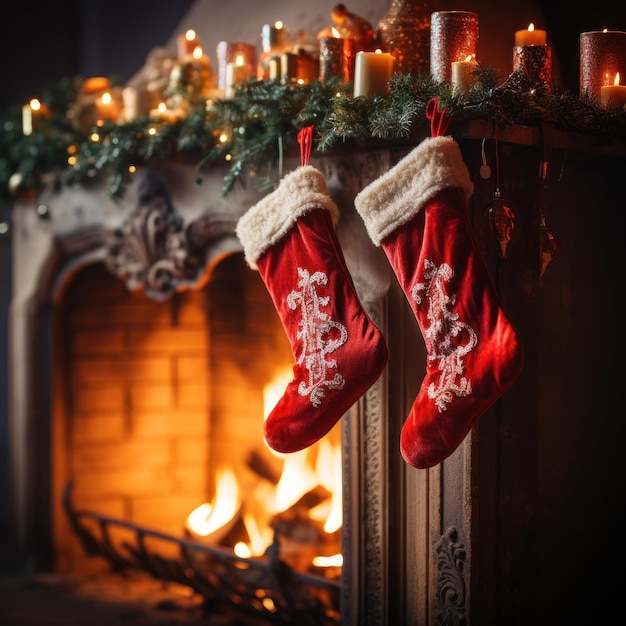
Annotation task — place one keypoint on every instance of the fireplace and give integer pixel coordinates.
(133, 378)
(160, 411)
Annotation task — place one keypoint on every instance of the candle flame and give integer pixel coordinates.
(616, 81)
(378, 51)
(35, 105)
(606, 30)
(469, 58)
(197, 52)
(190, 35)
(531, 27)
(239, 60)
(335, 32)
(106, 98)
(278, 24)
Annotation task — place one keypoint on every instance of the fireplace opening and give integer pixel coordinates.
(157, 426)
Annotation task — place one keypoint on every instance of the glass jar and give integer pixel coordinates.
(404, 31)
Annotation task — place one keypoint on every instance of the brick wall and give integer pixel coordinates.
(151, 397)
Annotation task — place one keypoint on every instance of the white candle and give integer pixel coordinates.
(462, 77)
(372, 72)
(614, 94)
(530, 37)
(32, 115)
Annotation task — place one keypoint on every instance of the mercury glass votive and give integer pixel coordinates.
(403, 32)
(602, 56)
(536, 63)
(228, 52)
(336, 58)
(453, 37)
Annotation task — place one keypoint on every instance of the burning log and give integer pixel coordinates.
(301, 538)
(262, 467)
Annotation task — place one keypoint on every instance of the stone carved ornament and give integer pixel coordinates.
(451, 591)
(155, 250)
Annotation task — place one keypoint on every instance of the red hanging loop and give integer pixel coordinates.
(305, 139)
(439, 120)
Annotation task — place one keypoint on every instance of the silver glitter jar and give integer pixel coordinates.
(453, 37)
(602, 56)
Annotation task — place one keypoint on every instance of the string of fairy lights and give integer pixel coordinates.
(253, 128)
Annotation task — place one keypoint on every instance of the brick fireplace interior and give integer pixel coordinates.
(152, 398)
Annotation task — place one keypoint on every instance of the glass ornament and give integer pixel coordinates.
(501, 219)
(548, 246)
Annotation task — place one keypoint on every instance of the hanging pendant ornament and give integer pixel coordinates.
(548, 243)
(548, 246)
(500, 216)
(502, 222)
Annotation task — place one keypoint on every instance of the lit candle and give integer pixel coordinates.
(463, 74)
(372, 72)
(602, 55)
(236, 74)
(107, 106)
(32, 115)
(227, 52)
(530, 37)
(165, 114)
(614, 94)
(187, 43)
(453, 37)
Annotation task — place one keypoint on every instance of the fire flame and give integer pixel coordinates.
(328, 469)
(273, 391)
(297, 478)
(302, 473)
(208, 518)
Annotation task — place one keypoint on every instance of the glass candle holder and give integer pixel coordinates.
(453, 37)
(403, 32)
(536, 63)
(228, 52)
(602, 56)
(336, 58)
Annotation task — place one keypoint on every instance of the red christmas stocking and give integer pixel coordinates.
(418, 213)
(289, 236)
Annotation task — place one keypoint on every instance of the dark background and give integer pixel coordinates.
(43, 42)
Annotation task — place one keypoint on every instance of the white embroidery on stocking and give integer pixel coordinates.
(313, 330)
(444, 326)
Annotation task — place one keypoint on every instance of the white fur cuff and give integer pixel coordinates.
(398, 195)
(272, 217)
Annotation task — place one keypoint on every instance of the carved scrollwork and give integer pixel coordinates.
(451, 591)
(154, 250)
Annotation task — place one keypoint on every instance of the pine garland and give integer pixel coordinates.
(260, 122)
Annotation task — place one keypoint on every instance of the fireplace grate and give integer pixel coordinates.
(266, 588)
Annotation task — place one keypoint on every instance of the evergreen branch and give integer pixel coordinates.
(245, 131)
